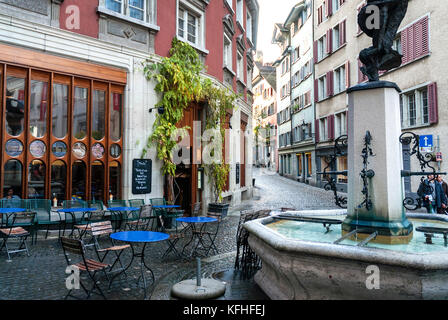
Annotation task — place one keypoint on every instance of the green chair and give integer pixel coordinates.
(42, 208)
(68, 204)
(98, 204)
(136, 202)
(13, 203)
(116, 217)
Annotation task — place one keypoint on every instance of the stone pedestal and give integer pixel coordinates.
(375, 107)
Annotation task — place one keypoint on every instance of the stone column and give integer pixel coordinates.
(375, 107)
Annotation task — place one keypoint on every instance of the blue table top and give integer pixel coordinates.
(77, 210)
(196, 219)
(139, 236)
(9, 210)
(123, 208)
(167, 206)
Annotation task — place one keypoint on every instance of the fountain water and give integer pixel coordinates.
(375, 253)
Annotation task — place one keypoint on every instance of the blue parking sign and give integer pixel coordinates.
(426, 141)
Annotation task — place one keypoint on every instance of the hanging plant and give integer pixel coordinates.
(179, 83)
(220, 100)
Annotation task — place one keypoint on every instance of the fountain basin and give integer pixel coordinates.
(305, 269)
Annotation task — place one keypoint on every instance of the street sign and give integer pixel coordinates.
(426, 143)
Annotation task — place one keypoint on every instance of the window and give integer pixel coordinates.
(309, 167)
(239, 11)
(249, 25)
(240, 67)
(340, 124)
(321, 47)
(299, 164)
(323, 132)
(396, 45)
(230, 3)
(415, 108)
(296, 54)
(322, 85)
(342, 166)
(335, 5)
(339, 79)
(336, 37)
(249, 78)
(190, 25)
(227, 52)
(143, 10)
(37, 162)
(285, 65)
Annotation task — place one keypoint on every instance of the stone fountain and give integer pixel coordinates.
(375, 254)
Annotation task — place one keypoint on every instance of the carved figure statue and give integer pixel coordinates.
(381, 56)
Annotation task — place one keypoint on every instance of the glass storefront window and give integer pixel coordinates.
(98, 114)
(58, 179)
(115, 116)
(114, 179)
(80, 113)
(12, 176)
(59, 110)
(15, 105)
(79, 180)
(97, 181)
(38, 108)
(36, 180)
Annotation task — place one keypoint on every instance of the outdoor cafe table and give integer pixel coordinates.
(75, 220)
(135, 237)
(9, 210)
(195, 234)
(118, 211)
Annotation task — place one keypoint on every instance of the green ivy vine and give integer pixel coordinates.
(179, 82)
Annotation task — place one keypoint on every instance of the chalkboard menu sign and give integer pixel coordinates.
(237, 173)
(141, 176)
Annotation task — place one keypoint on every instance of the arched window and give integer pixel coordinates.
(97, 181)
(36, 180)
(12, 178)
(79, 179)
(115, 179)
(58, 179)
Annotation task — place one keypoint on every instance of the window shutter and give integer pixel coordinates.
(346, 120)
(329, 83)
(342, 32)
(329, 41)
(433, 103)
(326, 7)
(425, 36)
(315, 52)
(316, 130)
(330, 121)
(361, 76)
(319, 15)
(316, 90)
(329, 7)
(347, 74)
(404, 46)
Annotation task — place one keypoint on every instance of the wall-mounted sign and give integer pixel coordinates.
(426, 143)
(439, 156)
(141, 176)
(237, 174)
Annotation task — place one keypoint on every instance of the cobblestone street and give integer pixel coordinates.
(42, 275)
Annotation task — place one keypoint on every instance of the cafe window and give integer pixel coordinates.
(58, 134)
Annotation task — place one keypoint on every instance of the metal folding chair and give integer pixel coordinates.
(105, 228)
(175, 236)
(208, 236)
(85, 226)
(140, 220)
(87, 266)
(13, 227)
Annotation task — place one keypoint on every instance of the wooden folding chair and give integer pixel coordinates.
(88, 266)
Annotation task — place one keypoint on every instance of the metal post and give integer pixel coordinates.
(198, 272)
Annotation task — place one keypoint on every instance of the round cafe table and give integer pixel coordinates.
(136, 237)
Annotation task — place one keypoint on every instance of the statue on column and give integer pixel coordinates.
(381, 56)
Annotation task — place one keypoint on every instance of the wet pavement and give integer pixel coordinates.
(43, 275)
